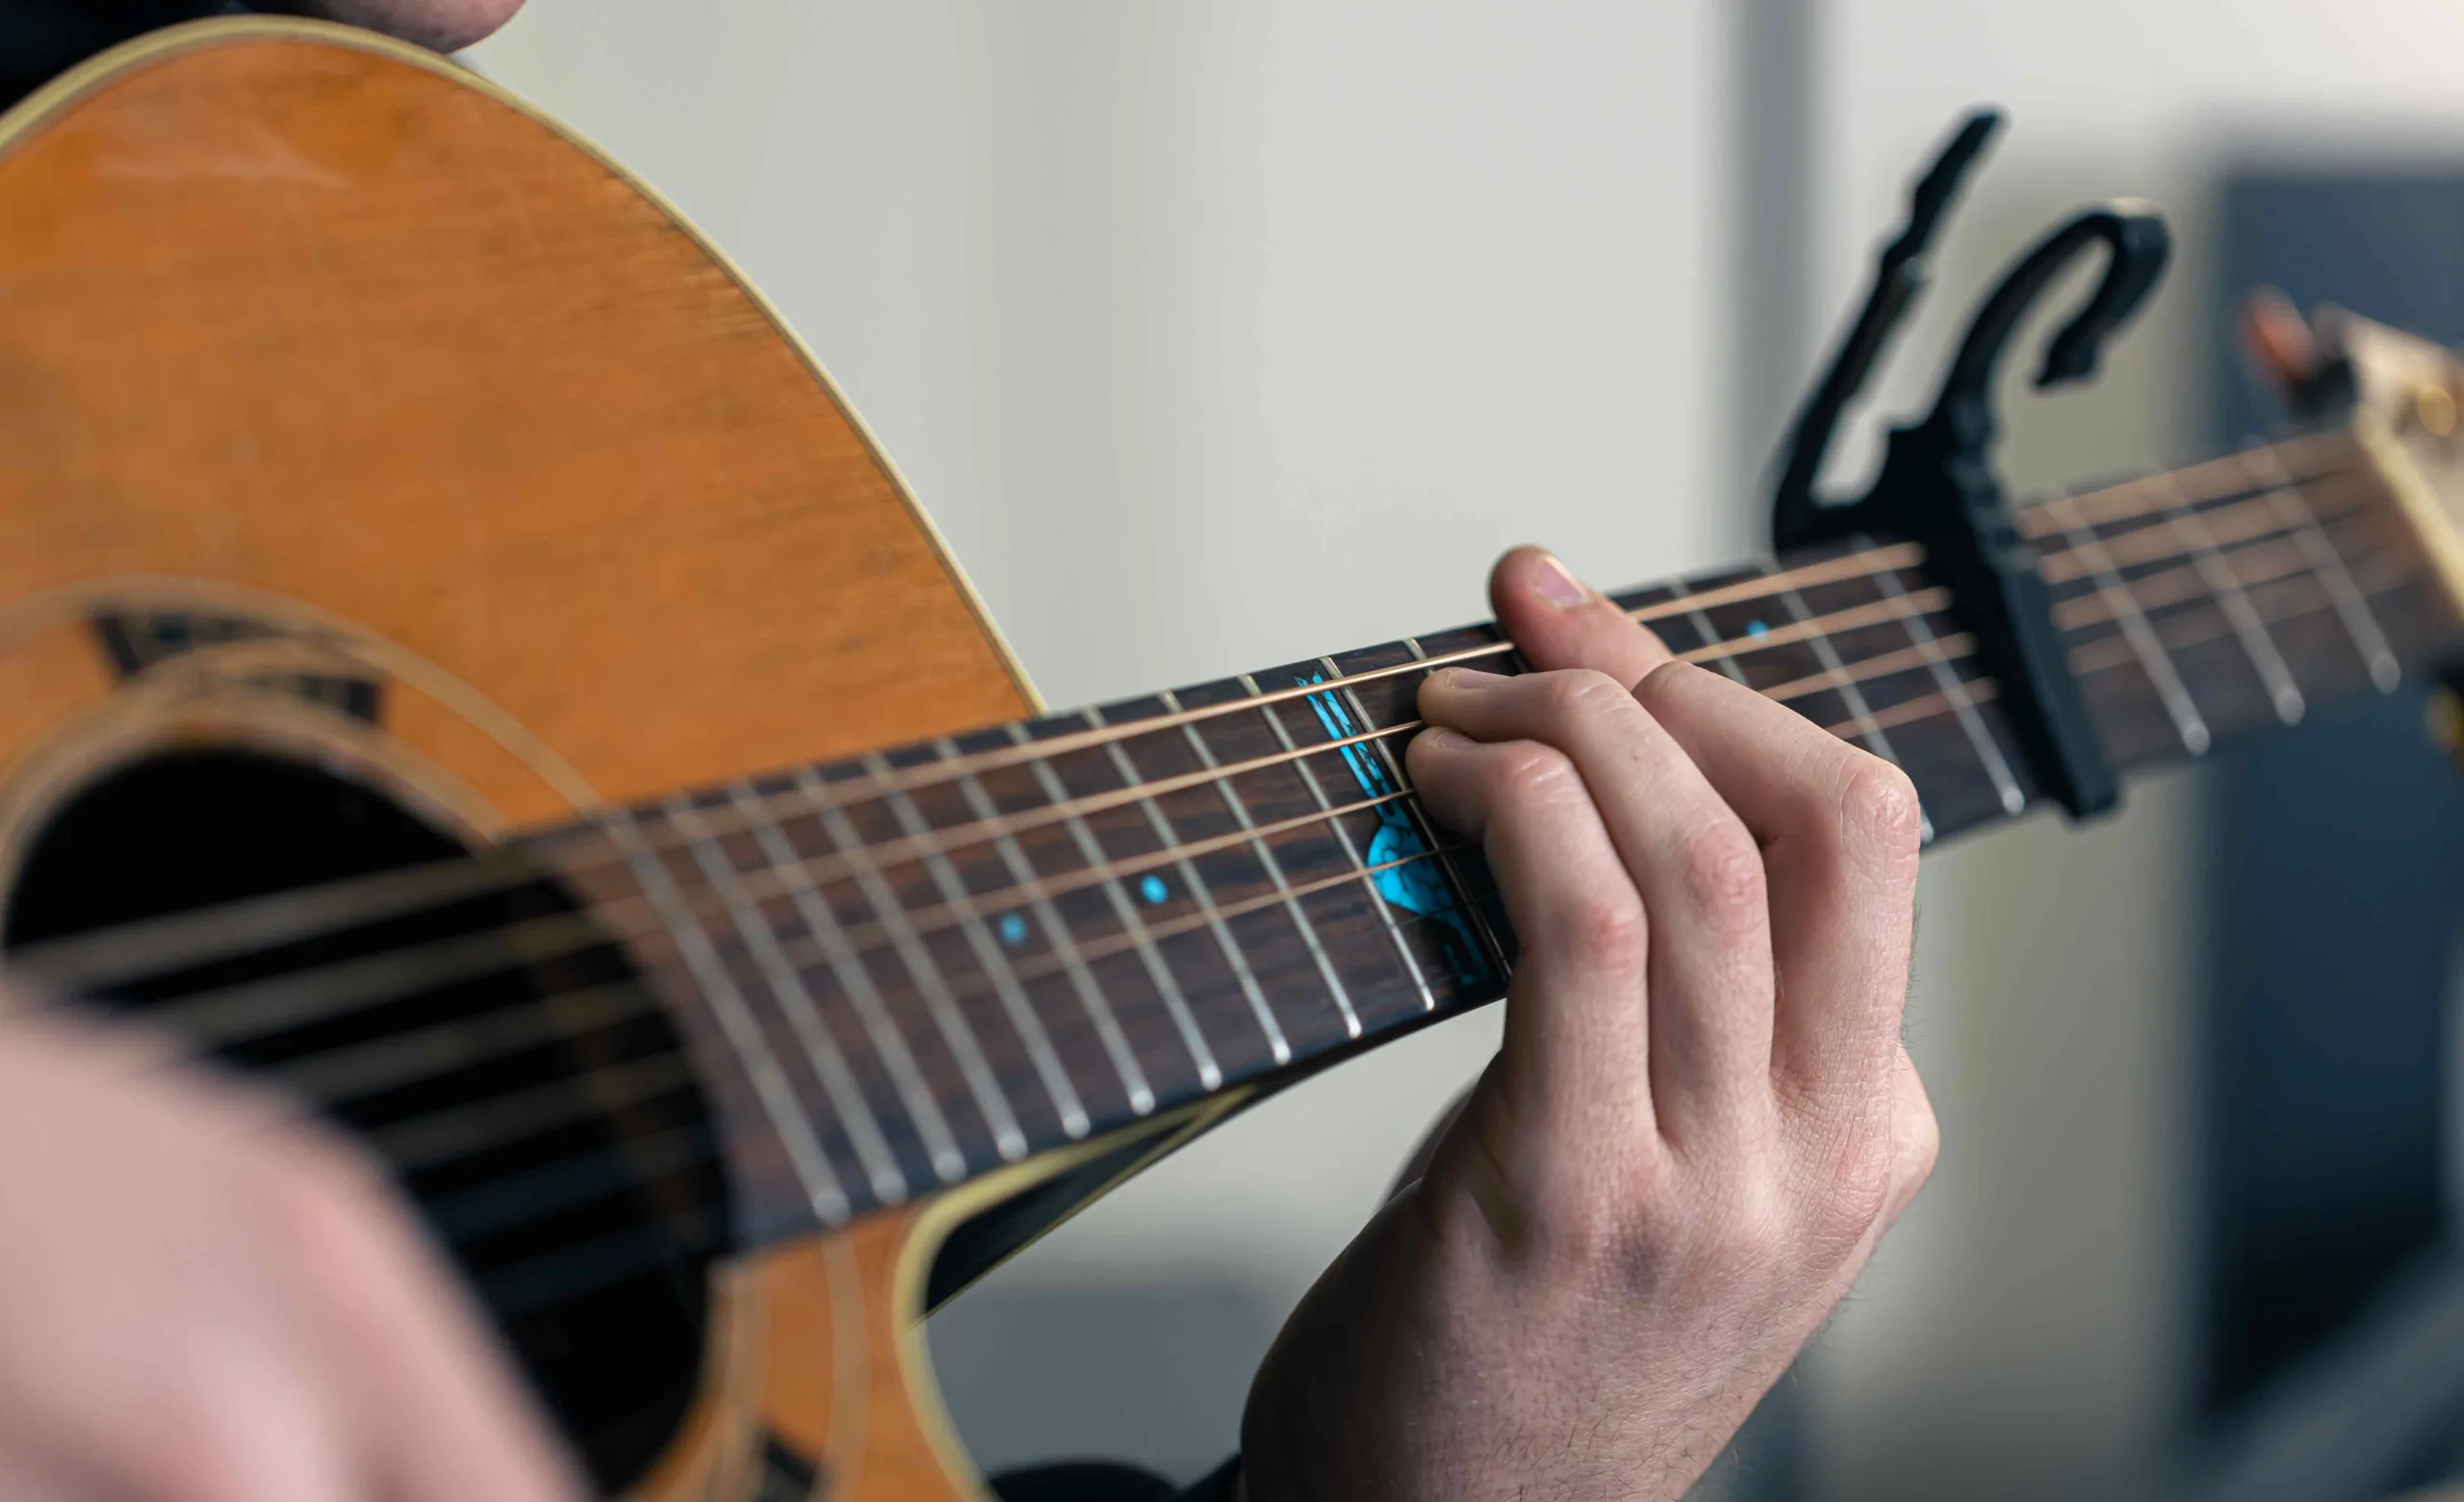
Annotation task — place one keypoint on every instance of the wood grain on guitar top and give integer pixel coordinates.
(310, 318)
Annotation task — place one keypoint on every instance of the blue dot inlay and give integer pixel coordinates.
(1757, 629)
(1013, 929)
(1153, 889)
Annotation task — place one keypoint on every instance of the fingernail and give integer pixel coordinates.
(1558, 585)
(1469, 679)
(1443, 739)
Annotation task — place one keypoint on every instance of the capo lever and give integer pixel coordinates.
(1938, 486)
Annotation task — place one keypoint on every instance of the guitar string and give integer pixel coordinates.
(288, 1000)
(537, 1267)
(214, 933)
(341, 1062)
(1765, 589)
(574, 935)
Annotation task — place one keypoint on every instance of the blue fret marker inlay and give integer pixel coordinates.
(1153, 889)
(1013, 929)
(1757, 629)
(1411, 879)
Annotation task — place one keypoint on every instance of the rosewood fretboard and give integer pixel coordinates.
(903, 971)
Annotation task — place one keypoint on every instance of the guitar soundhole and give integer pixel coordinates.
(498, 1055)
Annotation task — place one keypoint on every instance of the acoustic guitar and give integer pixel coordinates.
(463, 663)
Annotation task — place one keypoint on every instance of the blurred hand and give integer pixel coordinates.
(1701, 1118)
(444, 25)
(205, 1302)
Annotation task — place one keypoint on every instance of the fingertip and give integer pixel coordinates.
(1432, 747)
(1515, 570)
(1558, 621)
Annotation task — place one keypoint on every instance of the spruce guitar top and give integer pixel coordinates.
(461, 660)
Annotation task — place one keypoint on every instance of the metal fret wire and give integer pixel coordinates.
(1877, 740)
(1057, 935)
(1234, 953)
(1351, 847)
(1988, 754)
(2237, 607)
(796, 1003)
(742, 1030)
(1431, 840)
(928, 979)
(2189, 725)
(872, 1009)
(1090, 851)
(2297, 513)
(989, 959)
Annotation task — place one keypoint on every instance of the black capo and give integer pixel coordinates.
(1937, 484)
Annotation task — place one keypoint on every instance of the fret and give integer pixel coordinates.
(856, 983)
(1280, 793)
(1381, 754)
(1062, 943)
(1831, 644)
(2352, 609)
(1834, 671)
(921, 968)
(1860, 712)
(854, 1113)
(1176, 1005)
(1202, 896)
(1955, 693)
(1680, 589)
(1343, 836)
(2190, 727)
(989, 959)
(794, 1127)
(1273, 867)
(2249, 519)
(2247, 628)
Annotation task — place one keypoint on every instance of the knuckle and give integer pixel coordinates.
(1723, 871)
(1587, 691)
(1578, 696)
(1880, 815)
(1524, 773)
(1850, 1180)
(1665, 682)
(1924, 1151)
(1607, 929)
(1754, 1236)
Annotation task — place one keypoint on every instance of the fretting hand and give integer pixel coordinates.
(1701, 1118)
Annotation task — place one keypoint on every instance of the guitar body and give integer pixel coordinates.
(358, 421)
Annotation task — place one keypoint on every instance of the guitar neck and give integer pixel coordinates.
(907, 969)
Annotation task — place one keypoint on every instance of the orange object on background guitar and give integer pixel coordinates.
(388, 478)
